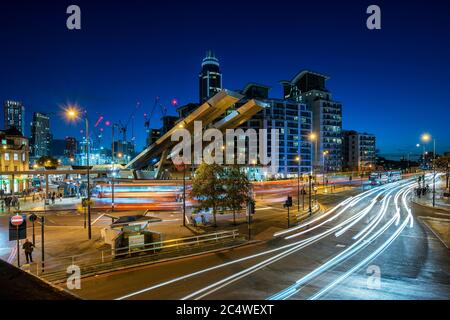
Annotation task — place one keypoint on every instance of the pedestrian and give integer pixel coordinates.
(28, 248)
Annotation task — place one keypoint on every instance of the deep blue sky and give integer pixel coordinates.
(392, 82)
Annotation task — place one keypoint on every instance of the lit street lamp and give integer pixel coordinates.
(426, 137)
(313, 137)
(73, 114)
(113, 167)
(325, 153)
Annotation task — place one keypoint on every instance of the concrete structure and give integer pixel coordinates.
(41, 137)
(14, 157)
(210, 111)
(210, 77)
(358, 151)
(309, 87)
(14, 113)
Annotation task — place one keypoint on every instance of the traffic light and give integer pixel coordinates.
(288, 202)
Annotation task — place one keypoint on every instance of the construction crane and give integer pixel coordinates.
(123, 127)
(148, 117)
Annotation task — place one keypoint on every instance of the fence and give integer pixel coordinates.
(55, 269)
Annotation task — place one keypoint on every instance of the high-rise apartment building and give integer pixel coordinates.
(41, 137)
(14, 112)
(294, 124)
(210, 77)
(358, 151)
(309, 88)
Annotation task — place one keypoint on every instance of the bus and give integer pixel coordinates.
(379, 178)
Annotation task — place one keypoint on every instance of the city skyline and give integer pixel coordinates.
(105, 77)
(235, 153)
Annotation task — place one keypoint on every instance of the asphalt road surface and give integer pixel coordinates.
(369, 246)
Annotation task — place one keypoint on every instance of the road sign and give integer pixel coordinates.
(16, 220)
(17, 231)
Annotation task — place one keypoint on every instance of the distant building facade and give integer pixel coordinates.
(152, 136)
(14, 113)
(210, 77)
(359, 151)
(293, 121)
(41, 137)
(309, 87)
(14, 157)
(70, 149)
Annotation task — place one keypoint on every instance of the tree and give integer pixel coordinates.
(208, 187)
(47, 161)
(237, 188)
(442, 164)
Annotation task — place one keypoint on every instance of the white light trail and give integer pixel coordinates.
(353, 249)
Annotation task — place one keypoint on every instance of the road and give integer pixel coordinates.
(369, 246)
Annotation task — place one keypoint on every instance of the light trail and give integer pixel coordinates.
(355, 201)
(353, 249)
(230, 279)
(377, 252)
(372, 256)
(298, 243)
(291, 248)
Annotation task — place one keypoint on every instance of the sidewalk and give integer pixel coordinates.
(38, 205)
(441, 202)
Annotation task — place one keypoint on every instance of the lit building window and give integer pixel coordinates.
(6, 156)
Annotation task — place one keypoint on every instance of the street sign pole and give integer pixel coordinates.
(18, 246)
(42, 242)
(249, 228)
(34, 238)
(289, 219)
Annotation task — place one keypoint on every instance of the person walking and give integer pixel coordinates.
(28, 248)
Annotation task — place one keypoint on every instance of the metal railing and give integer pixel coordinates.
(56, 268)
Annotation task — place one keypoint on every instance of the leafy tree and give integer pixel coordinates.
(237, 188)
(47, 161)
(208, 187)
(442, 163)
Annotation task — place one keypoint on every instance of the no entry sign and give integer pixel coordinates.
(16, 220)
(17, 223)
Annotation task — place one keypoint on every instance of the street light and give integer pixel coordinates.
(313, 137)
(325, 153)
(73, 113)
(113, 165)
(299, 161)
(426, 137)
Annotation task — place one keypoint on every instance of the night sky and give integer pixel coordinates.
(392, 82)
